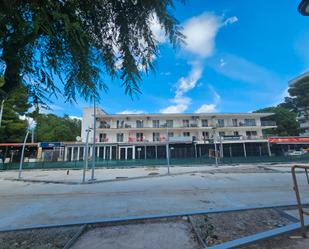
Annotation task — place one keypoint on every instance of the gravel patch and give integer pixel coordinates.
(49, 238)
(218, 228)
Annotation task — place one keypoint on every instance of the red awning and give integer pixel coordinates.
(288, 140)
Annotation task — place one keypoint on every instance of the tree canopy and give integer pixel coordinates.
(77, 41)
(299, 92)
(53, 128)
(13, 128)
(285, 120)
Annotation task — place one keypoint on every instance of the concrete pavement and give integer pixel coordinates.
(25, 204)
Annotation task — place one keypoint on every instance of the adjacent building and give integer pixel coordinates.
(303, 113)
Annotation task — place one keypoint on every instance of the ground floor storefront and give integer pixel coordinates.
(142, 151)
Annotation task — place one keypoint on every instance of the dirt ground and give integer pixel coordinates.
(162, 235)
(165, 233)
(281, 242)
(52, 238)
(218, 228)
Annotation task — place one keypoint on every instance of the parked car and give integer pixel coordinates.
(296, 153)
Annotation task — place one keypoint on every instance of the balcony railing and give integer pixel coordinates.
(268, 123)
(192, 125)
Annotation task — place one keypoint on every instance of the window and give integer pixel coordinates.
(251, 133)
(221, 133)
(186, 134)
(120, 123)
(205, 135)
(139, 137)
(119, 137)
(139, 123)
(103, 137)
(250, 122)
(204, 123)
(104, 124)
(156, 123)
(220, 122)
(170, 134)
(236, 133)
(169, 123)
(156, 136)
(235, 122)
(185, 123)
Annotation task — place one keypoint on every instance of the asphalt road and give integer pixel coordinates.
(25, 204)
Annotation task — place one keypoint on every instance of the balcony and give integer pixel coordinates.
(304, 125)
(268, 123)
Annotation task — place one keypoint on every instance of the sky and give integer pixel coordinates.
(238, 57)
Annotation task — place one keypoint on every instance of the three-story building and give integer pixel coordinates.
(146, 136)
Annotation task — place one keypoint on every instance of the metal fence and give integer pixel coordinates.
(187, 162)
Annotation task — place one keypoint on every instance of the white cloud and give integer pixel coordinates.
(131, 112)
(210, 107)
(239, 68)
(280, 98)
(75, 117)
(222, 62)
(157, 30)
(165, 73)
(231, 20)
(201, 31)
(184, 84)
(206, 108)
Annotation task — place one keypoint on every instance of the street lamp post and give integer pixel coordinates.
(22, 155)
(30, 127)
(215, 144)
(86, 155)
(94, 140)
(167, 151)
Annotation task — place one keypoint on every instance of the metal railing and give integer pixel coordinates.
(268, 123)
(300, 206)
(150, 162)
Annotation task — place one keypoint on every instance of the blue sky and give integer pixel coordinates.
(239, 57)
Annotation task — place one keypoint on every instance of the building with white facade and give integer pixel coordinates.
(303, 113)
(146, 136)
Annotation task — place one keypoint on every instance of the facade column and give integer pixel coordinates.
(221, 148)
(72, 154)
(104, 147)
(133, 152)
(78, 148)
(90, 152)
(268, 148)
(156, 151)
(65, 153)
(231, 155)
(145, 152)
(126, 153)
(110, 152)
(260, 149)
(245, 152)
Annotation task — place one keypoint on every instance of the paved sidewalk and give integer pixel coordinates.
(25, 203)
(107, 174)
